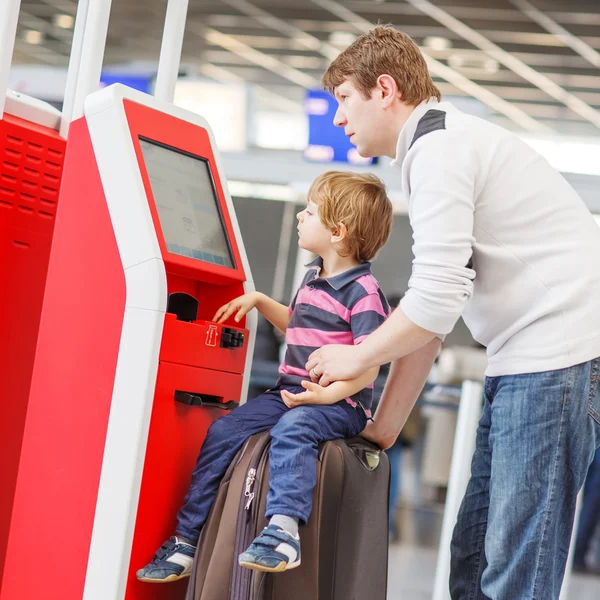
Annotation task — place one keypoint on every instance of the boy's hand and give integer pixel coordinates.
(241, 304)
(314, 394)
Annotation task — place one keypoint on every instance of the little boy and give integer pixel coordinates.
(348, 218)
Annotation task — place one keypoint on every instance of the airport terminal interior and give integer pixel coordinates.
(252, 69)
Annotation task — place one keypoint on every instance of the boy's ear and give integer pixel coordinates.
(339, 233)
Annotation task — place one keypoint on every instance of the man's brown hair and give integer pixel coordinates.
(361, 203)
(383, 51)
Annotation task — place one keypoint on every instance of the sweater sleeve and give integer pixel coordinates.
(440, 181)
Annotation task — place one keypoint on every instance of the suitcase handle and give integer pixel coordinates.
(204, 400)
(367, 453)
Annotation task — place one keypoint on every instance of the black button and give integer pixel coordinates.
(230, 338)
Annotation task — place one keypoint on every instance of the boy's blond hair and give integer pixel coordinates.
(360, 202)
(383, 51)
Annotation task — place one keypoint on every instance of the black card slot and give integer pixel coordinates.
(205, 400)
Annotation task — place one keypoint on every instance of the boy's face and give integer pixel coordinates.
(312, 234)
(364, 121)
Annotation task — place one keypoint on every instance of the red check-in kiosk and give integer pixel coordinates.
(129, 370)
(31, 162)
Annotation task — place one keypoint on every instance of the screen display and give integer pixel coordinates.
(187, 204)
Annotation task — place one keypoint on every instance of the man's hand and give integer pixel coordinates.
(335, 363)
(314, 394)
(372, 433)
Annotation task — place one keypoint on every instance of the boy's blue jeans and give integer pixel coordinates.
(295, 436)
(536, 438)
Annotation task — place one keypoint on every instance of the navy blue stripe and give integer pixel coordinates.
(296, 356)
(366, 322)
(384, 302)
(364, 397)
(313, 317)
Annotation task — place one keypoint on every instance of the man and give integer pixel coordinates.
(501, 239)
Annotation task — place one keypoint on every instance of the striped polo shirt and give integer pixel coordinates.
(343, 309)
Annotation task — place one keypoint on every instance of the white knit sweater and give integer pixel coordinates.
(479, 196)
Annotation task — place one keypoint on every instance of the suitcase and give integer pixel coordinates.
(344, 544)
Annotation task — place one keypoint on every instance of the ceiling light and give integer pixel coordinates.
(64, 21)
(474, 61)
(455, 61)
(342, 39)
(33, 37)
(434, 42)
(491, 65)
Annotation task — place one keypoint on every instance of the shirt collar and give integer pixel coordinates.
(409, 128)
(339, 281)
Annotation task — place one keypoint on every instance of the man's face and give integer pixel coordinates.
(363, 120)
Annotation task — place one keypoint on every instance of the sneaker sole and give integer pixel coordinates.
(166, 580)
(282, 566)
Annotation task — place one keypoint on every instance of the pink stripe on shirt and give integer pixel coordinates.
(300, 336)
(369, 283)
(370, 302)
(287, 370)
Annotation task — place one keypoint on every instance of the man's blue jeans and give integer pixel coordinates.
(295, 436)
(395, 457)
(536, 438)
(589, 518)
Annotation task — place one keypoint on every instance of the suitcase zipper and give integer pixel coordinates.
(248, 493)
(241, 577)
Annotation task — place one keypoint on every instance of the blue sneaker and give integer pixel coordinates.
(172, 561)
(274, 550)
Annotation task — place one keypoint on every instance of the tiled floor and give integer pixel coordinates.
(412, 569)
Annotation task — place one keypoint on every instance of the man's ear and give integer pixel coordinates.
(339, 234)
(387, 89)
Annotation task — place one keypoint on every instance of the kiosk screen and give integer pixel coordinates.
(187, 204)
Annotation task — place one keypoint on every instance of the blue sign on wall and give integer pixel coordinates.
(326, 142)
(137, 82)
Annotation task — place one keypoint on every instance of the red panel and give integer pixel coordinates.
(171, 131)
(176, 435)
(210, 297)
(198, 344)
(71, 392)
(31, 162)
